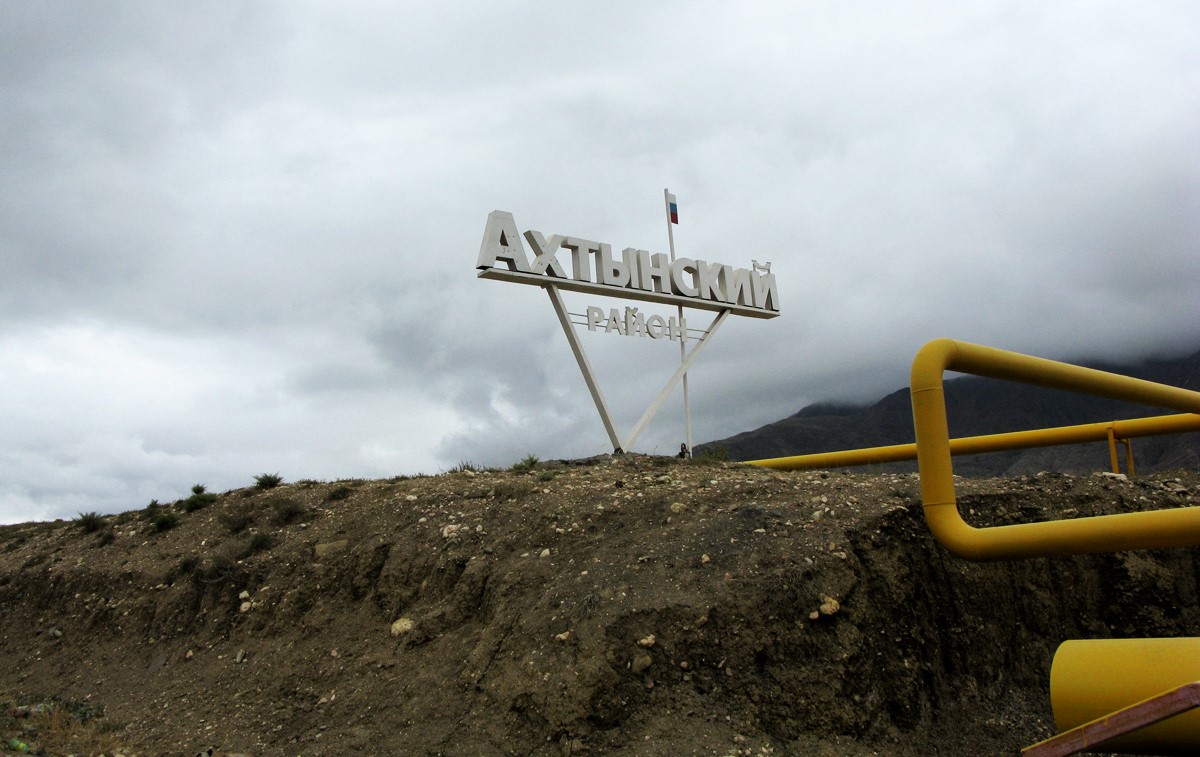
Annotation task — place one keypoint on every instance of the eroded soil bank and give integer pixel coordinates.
(610, 606)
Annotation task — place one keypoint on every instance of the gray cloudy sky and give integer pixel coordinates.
(239, 238)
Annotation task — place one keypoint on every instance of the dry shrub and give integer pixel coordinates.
(58, 727)
(287, 510)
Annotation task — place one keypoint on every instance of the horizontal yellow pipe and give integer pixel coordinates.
(1144, 530)
(865, 456)
(973, 445)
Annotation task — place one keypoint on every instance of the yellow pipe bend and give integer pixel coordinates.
(1144, 530)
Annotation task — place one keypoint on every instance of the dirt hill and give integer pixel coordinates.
(628, 606)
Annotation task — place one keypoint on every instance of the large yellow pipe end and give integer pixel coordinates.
(1095, 677)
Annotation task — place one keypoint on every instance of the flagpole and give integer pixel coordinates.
(687, 412)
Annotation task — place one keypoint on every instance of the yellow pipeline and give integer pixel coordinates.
(1118, 431)
(1144, 530)
(1095, 678)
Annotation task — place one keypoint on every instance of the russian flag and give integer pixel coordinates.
(672, 208)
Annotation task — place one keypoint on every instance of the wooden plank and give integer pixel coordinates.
(1093, 735)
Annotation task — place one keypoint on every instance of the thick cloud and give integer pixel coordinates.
(240, 239)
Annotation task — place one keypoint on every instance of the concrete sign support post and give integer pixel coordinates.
(637, 275)
(584, 366)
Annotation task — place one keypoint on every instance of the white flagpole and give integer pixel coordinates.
(687, 412)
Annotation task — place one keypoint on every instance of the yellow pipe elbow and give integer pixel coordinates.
(1145, 530)
(930, 363)
(955, 534)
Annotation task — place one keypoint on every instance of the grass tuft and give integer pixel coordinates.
(525, 465)
(90, 523)
(58, 726)
(286, 511)
(506, 490)
(165, 521)
(236, 519)
(199, 499)
(340, 493)
(268, 481)
(252, 545)
(711, 455)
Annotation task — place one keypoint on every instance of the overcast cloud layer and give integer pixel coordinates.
(240, 238)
